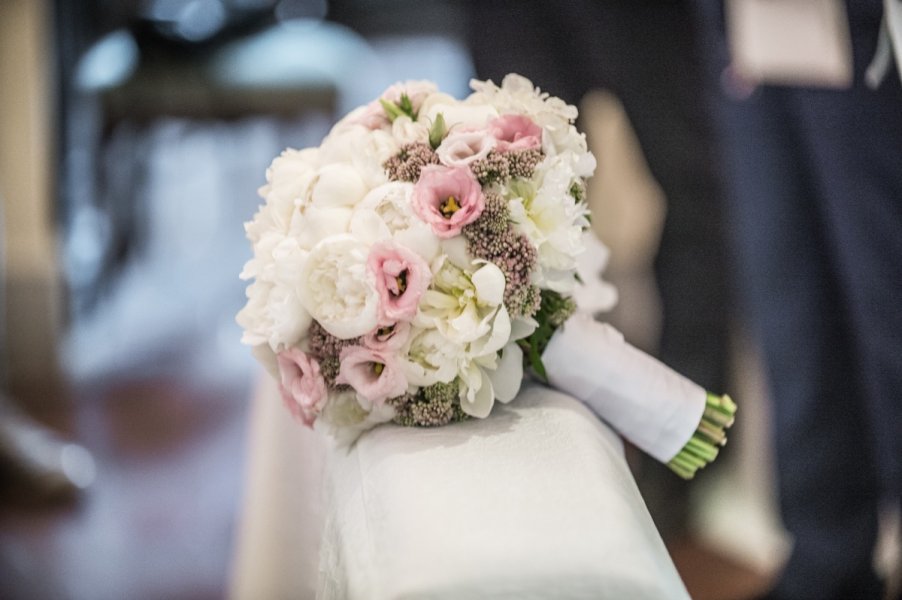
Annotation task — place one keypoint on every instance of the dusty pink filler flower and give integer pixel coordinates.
(376, 376)
(401, 278)
(447, 198)
(515, 132)
(302, 387)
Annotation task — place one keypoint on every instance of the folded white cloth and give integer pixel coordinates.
(535, 501)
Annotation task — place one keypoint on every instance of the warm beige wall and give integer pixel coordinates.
(26, 187)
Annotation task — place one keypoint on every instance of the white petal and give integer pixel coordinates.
(489, 282)
(481, 404)
(319, 223)
(368, 227)
(421, 240)
(506, 379)
(338, 185)
(500, 336)
(456, 251)
(522, 327)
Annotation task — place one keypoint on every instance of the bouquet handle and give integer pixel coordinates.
(665, 414)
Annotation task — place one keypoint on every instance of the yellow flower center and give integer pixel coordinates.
(449, 207)
(401, 280)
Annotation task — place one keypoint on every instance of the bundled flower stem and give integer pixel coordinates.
(704, 445)
(661, 412)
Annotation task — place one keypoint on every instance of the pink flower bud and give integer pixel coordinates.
(302, 385)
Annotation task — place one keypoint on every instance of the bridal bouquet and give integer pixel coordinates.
(409, 267)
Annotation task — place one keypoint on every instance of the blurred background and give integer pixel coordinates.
(133, 137)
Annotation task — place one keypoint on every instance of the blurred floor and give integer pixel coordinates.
(157, 523)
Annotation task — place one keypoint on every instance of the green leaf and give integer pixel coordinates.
(535, 360)
(392, 111)
(406, 107)
(438, 131)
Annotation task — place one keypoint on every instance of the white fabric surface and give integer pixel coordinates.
(534, 502)
(277, 544)
(649, 403)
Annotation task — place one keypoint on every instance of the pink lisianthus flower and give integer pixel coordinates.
(462, 148)
(401, 278)
(447, 198)
(302, 385)
(515, 132)
(388, 338)
(375, 375)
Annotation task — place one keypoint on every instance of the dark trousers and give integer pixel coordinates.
(815, 206)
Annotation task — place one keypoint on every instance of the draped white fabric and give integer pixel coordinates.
(534, 502)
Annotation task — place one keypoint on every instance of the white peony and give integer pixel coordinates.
(288, 181)
(274, 314)
(364, 149)
(337, 185)
(386, 213)
(336, 288)
(317, 224)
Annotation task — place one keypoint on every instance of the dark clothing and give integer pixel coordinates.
(815, 206)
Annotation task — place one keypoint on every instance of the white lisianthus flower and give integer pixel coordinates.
(462, 148)
(407, 131)
(552, 219)
(429, 358)
(463, 306)
(467, 312)
(337, 289)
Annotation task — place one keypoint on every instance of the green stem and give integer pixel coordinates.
(704, 445)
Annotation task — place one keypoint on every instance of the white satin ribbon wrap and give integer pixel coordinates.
(650, 404)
